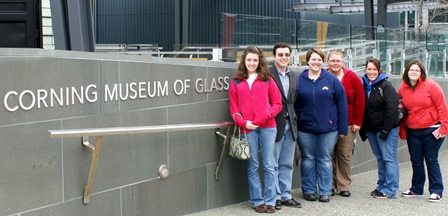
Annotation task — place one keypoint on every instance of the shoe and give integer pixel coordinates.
(409, 193)
(309, 197)
(270, 209)
(345, 193)
(380, 196)
(332, 192)
(324, 198)
(278, 204)
(375, 192)
(260, 209)
(435, 198)
(292, 203)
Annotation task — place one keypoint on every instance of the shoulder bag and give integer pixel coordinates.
(239, 147)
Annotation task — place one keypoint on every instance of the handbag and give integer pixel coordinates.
(239, 147)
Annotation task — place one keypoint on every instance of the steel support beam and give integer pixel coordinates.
(72, 25)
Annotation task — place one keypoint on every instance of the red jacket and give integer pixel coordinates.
(355, 97)
(426, 106)
(260, 104)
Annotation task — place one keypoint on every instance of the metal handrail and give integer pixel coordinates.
(133, 129)
(100, 132)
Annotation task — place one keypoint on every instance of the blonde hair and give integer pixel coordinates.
(335, 52)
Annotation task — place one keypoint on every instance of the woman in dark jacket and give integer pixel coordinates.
(379, 126)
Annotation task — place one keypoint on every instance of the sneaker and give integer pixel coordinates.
(324, 198)
(375, 192)
(278, 204)
(292, 203)
(380, 196)
(409, 193)
(434, 198)
(309, 197)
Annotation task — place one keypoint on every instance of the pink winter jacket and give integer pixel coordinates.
(260, 104)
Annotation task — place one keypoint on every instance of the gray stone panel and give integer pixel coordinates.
(218, 92)
(190, 149)
(109, 76)
(107, 203)
(178, 194)
(31, 169)
(231, 186)
(44, 74)
(212, 111)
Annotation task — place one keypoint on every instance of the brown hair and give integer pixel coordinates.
(317, 51)
(263, 71)
(376, 63)
(405, 77)
(280, 45)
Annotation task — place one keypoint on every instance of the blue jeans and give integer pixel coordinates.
(385, 152)
(284, 158)
(317, 150)
(266, 138)
(423, 145)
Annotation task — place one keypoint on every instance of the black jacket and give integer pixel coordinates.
(381, 111)
(288, 104)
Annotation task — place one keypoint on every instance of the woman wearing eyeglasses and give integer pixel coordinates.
(355, 103)
(321, 109)
(425, 129)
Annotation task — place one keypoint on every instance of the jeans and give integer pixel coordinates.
(317, 150)
(266, 138)
(423, 146)
(385, 152)
(283, 160)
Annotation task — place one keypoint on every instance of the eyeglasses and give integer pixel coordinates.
(414, 70)
(283, 54)
(335, 61)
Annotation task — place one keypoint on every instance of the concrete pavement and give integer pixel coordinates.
(361, 202)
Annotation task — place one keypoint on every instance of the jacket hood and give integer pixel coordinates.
(381, 76)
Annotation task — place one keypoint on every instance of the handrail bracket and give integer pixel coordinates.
(95, 155)
(85, 142)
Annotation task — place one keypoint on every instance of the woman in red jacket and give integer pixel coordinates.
(425, 128)
(342, 153)
(254, 102)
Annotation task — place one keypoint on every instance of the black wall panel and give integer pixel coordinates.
(20, 24)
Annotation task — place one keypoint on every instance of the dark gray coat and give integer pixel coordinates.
(288, 104)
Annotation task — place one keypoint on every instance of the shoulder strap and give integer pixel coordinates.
(381, 89)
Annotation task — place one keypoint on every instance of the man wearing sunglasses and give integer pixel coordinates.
(285, 141)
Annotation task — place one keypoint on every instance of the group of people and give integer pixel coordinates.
(321, 109)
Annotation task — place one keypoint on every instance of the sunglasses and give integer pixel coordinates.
(283, 54)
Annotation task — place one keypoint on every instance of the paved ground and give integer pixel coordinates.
(361, 202)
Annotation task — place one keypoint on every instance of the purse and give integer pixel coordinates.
(239, 147)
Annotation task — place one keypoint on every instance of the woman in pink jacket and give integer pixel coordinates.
(425, 128)
(254, 102)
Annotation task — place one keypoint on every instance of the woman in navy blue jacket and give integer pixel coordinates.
(322, 115)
